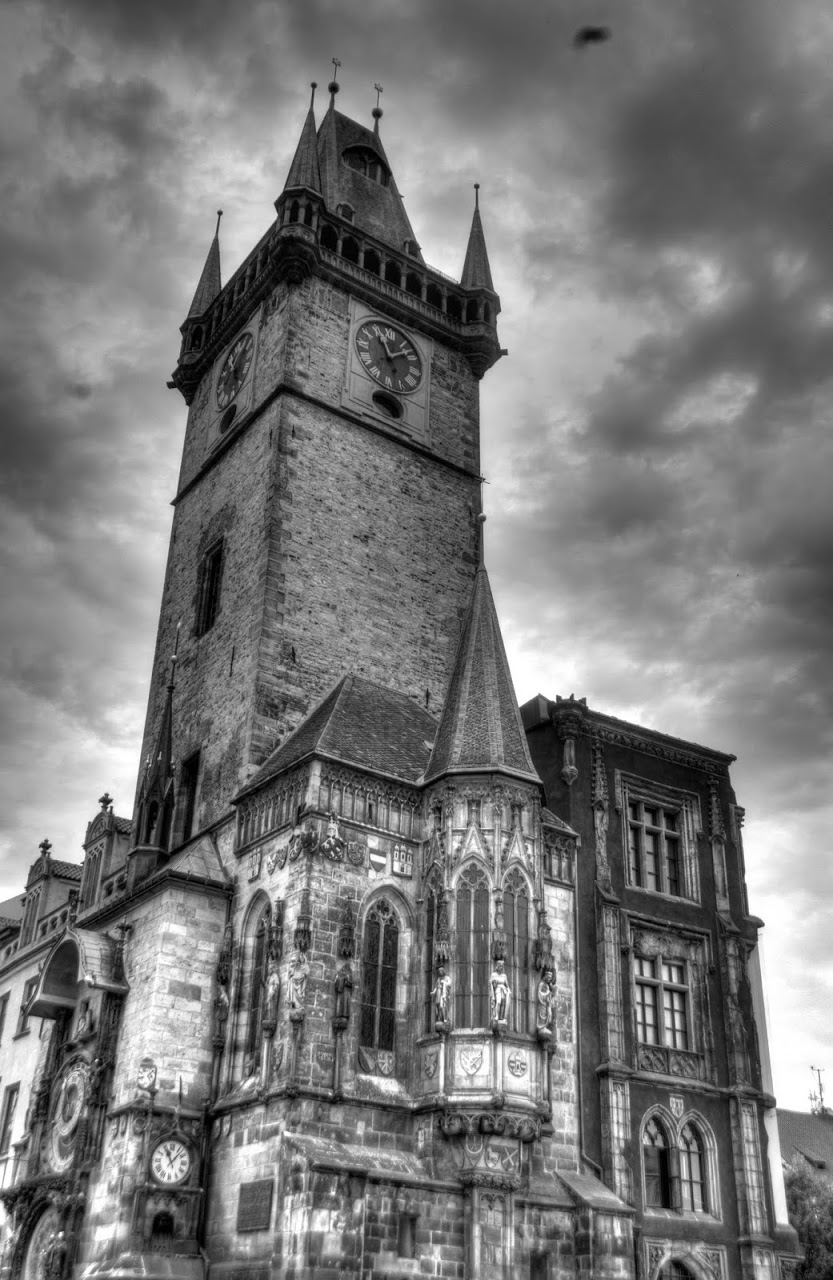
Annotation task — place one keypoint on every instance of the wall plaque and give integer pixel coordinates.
(325, 1056)
(254, 1205)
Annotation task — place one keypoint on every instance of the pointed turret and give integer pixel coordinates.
(304, 172)
(480, 726)
(476, 273)
(209, 285)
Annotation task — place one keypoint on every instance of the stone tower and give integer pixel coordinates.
(325, 513)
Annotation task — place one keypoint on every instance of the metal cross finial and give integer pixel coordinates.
(336, 65)
(379, 91)
(106, 800)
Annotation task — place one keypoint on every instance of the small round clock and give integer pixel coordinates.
(170, 1161)
(389, 356)
(234, 369)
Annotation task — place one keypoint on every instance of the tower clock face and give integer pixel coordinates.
(234, 369)
(389, 356)
(171, 1162)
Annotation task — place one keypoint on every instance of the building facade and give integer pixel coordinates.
(353, 995)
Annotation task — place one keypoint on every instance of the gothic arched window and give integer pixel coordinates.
(516, 930)
(655, 1158)
(471, 996)
(432, 907)
(380, 960)
(692, 1170)
(254, 983)
(675, 1270)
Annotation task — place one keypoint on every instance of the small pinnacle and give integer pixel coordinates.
(477, 195)
(219, 216)
(313, 84)
(481, 520)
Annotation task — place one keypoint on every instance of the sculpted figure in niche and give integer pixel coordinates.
(272, 994)
(298, 974)
(501, 993)
(441, 995)
(343, 987)
(545, 1001)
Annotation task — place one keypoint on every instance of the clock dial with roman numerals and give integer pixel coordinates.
(234, 369)
(171, 1161)
(389, 356)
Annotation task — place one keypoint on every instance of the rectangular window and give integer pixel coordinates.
(654, 848)
(661, 994)
(211, 574)
(7, 1124)
(189, 778)
(4, 1004)
(22, 1018)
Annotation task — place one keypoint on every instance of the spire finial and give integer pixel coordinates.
(481, 551)
(45, 847)
(477, 195)
(377, 112)
(217, 228)
(313, 84)
(333, 86)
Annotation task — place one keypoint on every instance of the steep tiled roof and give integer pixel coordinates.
(209, 282)
(123, 825)
(480, 725)
(361, 723)
(810, 1136)
(12, 908)
(304, 170)
(378, 209)
(66, 870)
(476, 273)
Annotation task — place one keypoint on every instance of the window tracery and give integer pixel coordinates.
(471, 973)
(516, 930)
(380, 962)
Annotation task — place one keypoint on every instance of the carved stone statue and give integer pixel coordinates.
(298, 974)
(441, 995)
(343, 988)
(272, 995)
(544, 1002)
(501, 993)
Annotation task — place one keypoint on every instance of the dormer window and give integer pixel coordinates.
(366, 162)
(412, 248)
(346, 212)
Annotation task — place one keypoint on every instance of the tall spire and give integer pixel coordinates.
(209, 285)
(476, 273)
(480, 726)
(304, 170)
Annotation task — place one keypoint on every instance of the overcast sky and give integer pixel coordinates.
(659, 216)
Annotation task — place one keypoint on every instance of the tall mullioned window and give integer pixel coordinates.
(692, 1170)
(377, 1024)
(661, 993)
(655, 1157)
(516, 930)
(654, 848)
(471, 973)
(256, 985)
(432, 906)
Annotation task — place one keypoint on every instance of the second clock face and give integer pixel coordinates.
(234, 369)
(171, 1161)
(389, 356)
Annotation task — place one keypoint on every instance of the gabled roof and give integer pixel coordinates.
(807, 1135)
(480, 726)
(378, 209)
(476, 272)
(66, 870)
(363, 724)
(200, 860)
(123, 825)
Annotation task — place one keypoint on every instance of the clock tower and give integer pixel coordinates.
(325, 518)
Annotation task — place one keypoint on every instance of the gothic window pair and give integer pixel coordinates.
(675, 1168)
